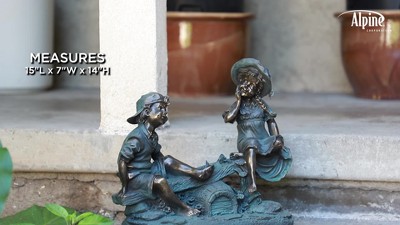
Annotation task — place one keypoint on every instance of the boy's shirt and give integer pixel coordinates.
(138, 149)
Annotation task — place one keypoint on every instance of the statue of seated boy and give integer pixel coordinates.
(143, 179)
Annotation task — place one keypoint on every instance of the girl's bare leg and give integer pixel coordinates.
(250, 157)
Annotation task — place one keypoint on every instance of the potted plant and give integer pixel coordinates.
(370, 42)
(205, 38)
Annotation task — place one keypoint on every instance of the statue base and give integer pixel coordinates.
(264, 213)
(218, 202)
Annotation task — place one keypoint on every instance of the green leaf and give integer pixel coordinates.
(22, 224)
(71, 218)
(57, 210)
(5, 175)
(34, 215)
(83, 216)
(96, 220)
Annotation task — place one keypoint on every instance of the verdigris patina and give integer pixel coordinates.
(158, 189)
(264, 151)
(145, 180)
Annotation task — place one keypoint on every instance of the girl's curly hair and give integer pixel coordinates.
(252, 74)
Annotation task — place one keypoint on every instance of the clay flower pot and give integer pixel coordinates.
(371, 56)
(202, 47)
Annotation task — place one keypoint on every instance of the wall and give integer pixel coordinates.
(76, 30)
(299, 41)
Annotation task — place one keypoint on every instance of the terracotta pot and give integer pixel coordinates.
(371, 56)
(202, 47)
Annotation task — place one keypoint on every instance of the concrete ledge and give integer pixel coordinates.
(326, 200)
(337, 157)
(335, 137)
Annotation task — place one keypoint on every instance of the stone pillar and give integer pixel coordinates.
(133, 37)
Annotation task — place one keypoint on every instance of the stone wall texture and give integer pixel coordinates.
(299, 41)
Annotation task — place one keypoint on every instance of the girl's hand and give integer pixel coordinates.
(238, 93)
(225, 113)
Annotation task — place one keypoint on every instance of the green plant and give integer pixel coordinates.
(35, 215)
(53, 214)
(5, 175)
(87, 218)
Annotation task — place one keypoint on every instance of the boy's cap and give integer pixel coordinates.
(147, 100)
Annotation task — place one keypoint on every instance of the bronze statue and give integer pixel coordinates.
(251, 112)
(139, 176)
(168, 191)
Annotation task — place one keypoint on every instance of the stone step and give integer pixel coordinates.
(310, 201)
(346, 150)
(335, 137)
(338, 221)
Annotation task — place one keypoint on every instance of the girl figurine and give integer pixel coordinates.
(263, 151)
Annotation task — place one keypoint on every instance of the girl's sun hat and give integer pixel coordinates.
(254, 63)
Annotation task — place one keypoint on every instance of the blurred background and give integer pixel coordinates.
(345, 149)
(298, 41)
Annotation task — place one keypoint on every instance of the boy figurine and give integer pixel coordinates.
(141, 178)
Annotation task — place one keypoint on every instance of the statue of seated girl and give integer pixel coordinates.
(264, 151)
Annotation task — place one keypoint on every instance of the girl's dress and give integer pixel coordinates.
(251, 119)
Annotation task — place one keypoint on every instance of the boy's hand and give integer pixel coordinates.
(235, 155)
(122, 192)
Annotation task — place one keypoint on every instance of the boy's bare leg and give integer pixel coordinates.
(162, 189)
(177, 166)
